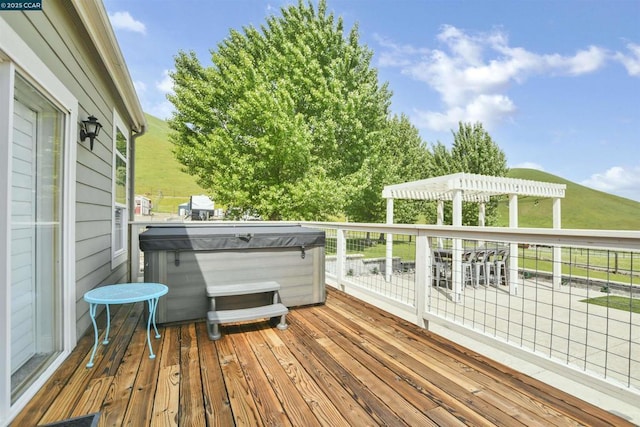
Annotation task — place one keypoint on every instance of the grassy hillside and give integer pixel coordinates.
(582, 207)
(158, 173)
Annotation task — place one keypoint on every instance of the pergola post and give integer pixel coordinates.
(440, 220)
(513, 247)
(456, 259)
(389, 251)
(557, 250)
(481, 219)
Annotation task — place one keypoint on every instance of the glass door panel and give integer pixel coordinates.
(36, 246)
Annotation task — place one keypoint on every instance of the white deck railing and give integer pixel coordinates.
(539, 312)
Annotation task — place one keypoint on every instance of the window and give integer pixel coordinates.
(120, 193)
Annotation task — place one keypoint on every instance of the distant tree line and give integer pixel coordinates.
(290, 121)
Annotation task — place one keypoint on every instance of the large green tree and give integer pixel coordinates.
(400, 156)
(473, 151)
(285, 119)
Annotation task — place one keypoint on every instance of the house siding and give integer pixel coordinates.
(62, 43)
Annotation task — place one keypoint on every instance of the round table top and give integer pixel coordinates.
(125, 293)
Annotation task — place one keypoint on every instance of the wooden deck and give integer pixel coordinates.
(344, 363)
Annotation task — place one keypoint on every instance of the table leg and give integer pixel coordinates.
(153, 303)
(106, 336)
(92, 314)
(155, 306)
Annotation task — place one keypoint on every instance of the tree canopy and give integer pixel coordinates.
(290, 122)
(400, 156)
(287, 118)
(473, 151)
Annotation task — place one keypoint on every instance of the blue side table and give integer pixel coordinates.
(123, 294)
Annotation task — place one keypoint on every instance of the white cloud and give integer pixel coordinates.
(583, 62)
(617, 180)
(166, 84)
(161, 110)
(140, 87)
(528, 165)
(396, 55)
(631, 61)
(487, 109)
(472, 72)
(124, 21)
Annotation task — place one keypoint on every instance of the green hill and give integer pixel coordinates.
(582, 207)
(158, 174)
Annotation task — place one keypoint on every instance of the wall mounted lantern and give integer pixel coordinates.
(90, 129)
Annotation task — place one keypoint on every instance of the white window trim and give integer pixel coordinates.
(119, 256)
(17, 56)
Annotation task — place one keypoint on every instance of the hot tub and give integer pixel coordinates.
(188, 258)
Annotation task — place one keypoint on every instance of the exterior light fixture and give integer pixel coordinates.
(90, 129)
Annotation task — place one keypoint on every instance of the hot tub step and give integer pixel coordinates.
(241, 289)
(242, 314)
(216, 317)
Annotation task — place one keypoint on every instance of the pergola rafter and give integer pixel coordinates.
(475, 188)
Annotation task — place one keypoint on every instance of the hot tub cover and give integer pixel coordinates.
(225, 237)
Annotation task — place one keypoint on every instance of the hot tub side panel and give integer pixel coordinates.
(188, 273)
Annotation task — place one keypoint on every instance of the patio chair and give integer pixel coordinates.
(468, 260)
(482, 266)
(501, 271)
(441, 267)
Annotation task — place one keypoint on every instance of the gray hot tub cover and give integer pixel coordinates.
(225, 237)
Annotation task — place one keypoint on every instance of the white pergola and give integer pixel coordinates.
(465, 187)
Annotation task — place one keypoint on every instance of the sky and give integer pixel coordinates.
(555, 83)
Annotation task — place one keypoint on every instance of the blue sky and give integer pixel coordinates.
(555, 83)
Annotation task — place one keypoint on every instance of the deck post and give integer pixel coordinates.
(341, 255)
(134, 252)
(513, 247)
(422, 277)
(557, 250)
(456, 259)
(389, 253)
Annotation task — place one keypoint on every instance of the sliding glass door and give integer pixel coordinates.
(36, 235)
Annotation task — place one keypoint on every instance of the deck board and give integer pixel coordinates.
(340, 363)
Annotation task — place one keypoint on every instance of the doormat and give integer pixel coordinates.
(90, 420)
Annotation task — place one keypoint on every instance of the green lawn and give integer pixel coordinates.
(619, 303)
(602, 265)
